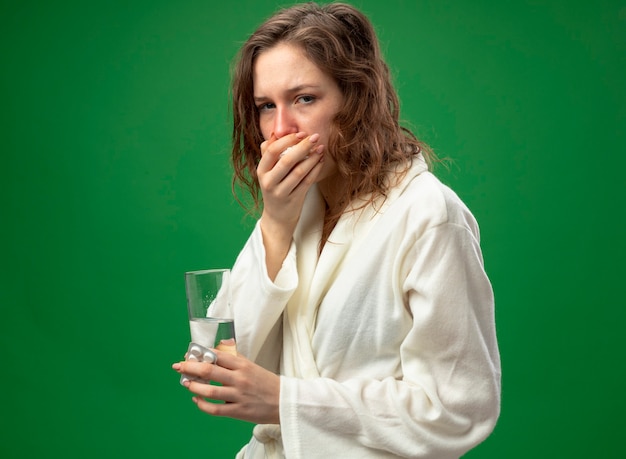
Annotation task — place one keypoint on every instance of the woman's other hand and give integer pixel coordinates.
(248, 391)
(288, 168)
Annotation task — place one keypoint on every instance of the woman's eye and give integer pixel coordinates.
(306, 99)
(265, 107)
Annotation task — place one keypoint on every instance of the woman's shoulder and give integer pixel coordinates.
(426, 199)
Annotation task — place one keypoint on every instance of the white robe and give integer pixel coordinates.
(386, 342)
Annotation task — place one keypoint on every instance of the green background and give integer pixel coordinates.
(115, 180)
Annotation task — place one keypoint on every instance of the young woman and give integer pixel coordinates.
(364, 317)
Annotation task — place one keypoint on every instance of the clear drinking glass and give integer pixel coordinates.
(210, 315)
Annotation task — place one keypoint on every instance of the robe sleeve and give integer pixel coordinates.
(447, 399)
(258, 303)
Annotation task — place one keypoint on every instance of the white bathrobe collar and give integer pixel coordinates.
(318, 273)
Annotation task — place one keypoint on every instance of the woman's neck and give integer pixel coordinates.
(332, 191)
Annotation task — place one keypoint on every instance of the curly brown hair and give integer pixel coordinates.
(366, 139)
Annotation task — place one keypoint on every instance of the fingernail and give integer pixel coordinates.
(300, 135)
(186, 383)
(314, 138)
(319, 149)
(176, 366)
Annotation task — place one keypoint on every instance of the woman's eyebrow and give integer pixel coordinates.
(295, 89)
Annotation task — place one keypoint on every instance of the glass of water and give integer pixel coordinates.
(208, 304)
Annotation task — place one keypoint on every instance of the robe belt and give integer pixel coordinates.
(270, 436)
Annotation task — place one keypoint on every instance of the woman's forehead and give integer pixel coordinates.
(286, 67)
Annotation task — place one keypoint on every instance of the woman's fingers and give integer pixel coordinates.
(279, 157)
(296, 154)
(221, 393)
(290, 173)
(210, 371)
(249, 392)
(223, 373)
(272, 148)
(228, 360)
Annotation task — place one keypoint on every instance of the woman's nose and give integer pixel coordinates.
(284, 123)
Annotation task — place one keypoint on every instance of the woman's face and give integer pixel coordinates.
(293, 95)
